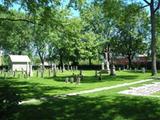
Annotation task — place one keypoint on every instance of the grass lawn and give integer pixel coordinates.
(104, 105)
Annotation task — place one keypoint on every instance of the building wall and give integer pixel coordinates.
(20, 66)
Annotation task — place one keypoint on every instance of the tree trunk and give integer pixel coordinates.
(61, 62)
(90, 61)
(42, 60)
(129, 61)
(153, 39)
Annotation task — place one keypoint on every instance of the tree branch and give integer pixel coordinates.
(147, 2)
(19, 19)
(144, 6)
(158, 6)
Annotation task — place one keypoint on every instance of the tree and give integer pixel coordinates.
(154, 7)
(132, 31)
(15, 35)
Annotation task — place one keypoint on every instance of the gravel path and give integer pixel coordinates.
(107, 88)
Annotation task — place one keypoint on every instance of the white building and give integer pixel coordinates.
(21, 63)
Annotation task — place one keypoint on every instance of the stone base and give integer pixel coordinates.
(104, 71)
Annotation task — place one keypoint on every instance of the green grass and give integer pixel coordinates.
(38, 87)
(104, 105)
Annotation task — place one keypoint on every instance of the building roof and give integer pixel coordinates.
(19, 58)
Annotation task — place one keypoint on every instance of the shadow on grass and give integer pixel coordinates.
(33, 90)
(74, 108)
(97, 108)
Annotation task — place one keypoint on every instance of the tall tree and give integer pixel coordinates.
(154, 7)
(132, 31)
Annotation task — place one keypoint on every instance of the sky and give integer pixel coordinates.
(74, 13)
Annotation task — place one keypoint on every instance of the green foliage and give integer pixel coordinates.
(132, 32)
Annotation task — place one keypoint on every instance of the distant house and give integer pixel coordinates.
(21, 63)
(139, 59)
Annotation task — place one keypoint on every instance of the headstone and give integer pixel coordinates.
(143, 70)
(119, 68)
(63, 67)
(76, 67)
(102, 66)
(78, 80)
(113, 70)
(66, 80)
(71, 79)
(54, 73)
(135, 69)
(127, 67)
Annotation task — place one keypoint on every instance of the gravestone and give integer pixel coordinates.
(66, 80)
(119, 68)
(76, 67)
(78, 80)
(102, 66)
(143, 70)
(71, 79)
(63, 69)
(68, 67)
(135, 69)
(54, 73)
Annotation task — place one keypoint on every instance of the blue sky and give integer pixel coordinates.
(65, 2)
